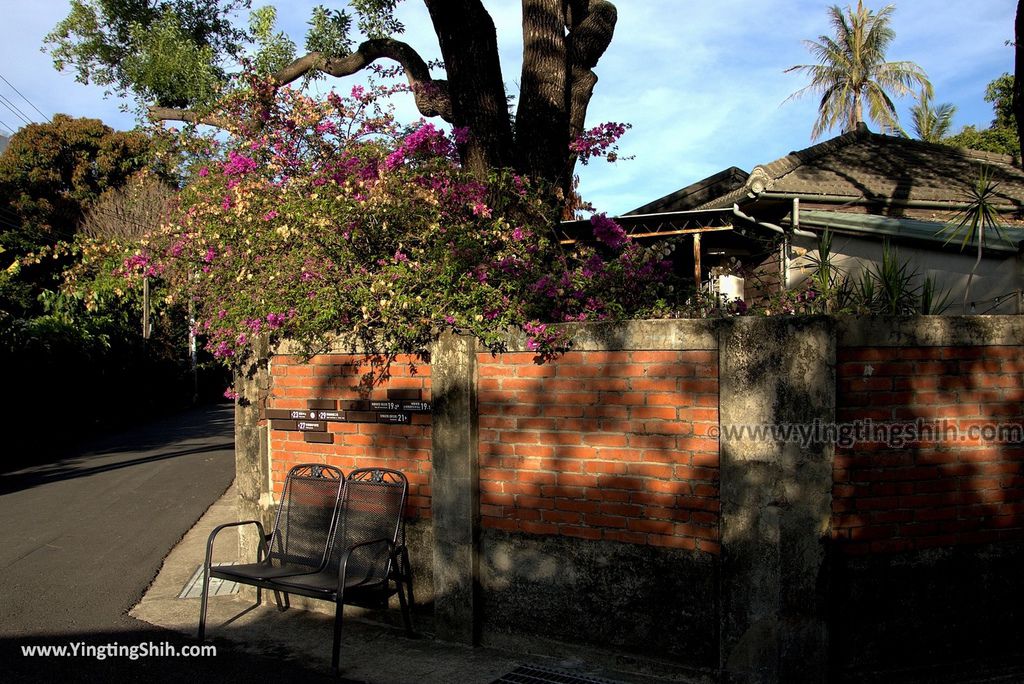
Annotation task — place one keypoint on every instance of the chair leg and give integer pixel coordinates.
(202, 604)
(408, 576)
(286, 603)
(339, 613)
(405, 607)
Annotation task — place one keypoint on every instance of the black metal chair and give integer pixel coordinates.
(368, 561)
(302, 538)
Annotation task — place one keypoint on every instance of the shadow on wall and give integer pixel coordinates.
(598, 491)
(599, 500)
(927, 533)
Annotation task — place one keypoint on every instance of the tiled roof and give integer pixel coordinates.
(696, 194)
(861, 164)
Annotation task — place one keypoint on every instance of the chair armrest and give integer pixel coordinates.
(264, 539)
(343, 564)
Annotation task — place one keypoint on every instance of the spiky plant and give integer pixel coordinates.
(977, 219)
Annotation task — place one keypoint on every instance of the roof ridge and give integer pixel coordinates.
(774, 170)
(943, 147)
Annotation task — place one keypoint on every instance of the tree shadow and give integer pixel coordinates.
(926, 543)
(619, 522)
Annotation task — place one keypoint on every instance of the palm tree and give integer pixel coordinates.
(851, 70)
(932, 124)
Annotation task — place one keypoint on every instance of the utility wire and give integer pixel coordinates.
(14, 109)
(2, 123)
(24, 98)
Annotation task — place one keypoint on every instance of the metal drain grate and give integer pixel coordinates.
(218, 587)
(535, 674)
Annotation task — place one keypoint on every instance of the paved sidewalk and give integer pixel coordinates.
(371, 652)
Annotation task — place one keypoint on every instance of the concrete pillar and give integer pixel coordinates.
(776, 499)
(455, 491)
(252, 462)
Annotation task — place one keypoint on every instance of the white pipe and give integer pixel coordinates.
(770, 226)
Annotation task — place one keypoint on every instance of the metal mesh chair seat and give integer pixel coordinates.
(349, 551)
(257, 572)
(325, 584)
(302, 538)
(368, 561)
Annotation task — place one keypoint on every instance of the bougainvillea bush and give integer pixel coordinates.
(318, 219)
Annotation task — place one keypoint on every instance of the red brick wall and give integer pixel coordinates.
(356, 445)
(959, 488)
(602, 445)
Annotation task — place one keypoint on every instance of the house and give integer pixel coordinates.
(868, 190)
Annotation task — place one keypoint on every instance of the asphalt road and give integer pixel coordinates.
(83, 535)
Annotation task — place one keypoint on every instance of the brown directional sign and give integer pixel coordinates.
(327, 404)
(289, 414)
(397, 409)
(330, 416)
(354, 405)
(301, 425)
(394, 418)
(318, 437)
(404, 394)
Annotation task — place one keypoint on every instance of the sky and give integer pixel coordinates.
(701, 82)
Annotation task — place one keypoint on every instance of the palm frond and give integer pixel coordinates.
(851, 67)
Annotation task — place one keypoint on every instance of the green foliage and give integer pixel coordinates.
(168, 68)
(173, 52)
(49, 175)
(851, 69)
(83, 337)
(273, 50)
(892, 287)
(933, 302)
(168, 52)
(931, 123)
(1001, 137)
(1000, 94)
(997, 140)
(329, 32)
(977, 220)
(825, 279)
(896, 293)
(50, 171)
(377, 17)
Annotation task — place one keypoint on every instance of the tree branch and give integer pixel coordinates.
(591, 27)
(157, 113)
(591, 31)
(432, 97)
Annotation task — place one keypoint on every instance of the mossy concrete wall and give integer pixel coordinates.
(768, 598)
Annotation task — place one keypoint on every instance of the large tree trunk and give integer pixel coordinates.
(469, 47)
(562, 42)
(542, 120)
